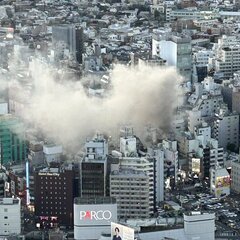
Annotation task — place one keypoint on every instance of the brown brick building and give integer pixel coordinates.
(54, 196)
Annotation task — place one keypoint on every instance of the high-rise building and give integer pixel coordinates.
(131, 190)
(12, 140)
(10, 216)
(72, 36)
(176, 50)
(235, 184)
(93, 168)
(231, 92)
(200, 62)
(225, 59)
(54, 195)
(150, 163)
(226, 129)
(146, 165)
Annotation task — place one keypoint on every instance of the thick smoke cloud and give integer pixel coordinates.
(63, 111)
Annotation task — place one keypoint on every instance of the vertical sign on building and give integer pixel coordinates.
(13, 189)
(27, 183)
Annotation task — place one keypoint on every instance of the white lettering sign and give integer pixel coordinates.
(97, 215)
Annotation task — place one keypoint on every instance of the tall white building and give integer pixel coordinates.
(158, 155)
(176, 50)
(10, 216)
(200, 63)
(146, 165)
(170, 159)
(235, 184)
(226, 129)
(131, 190)
(231, 92)
(226, 56)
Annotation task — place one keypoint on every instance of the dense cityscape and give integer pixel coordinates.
(119, 119)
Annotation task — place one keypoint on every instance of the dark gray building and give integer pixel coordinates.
(72, 36)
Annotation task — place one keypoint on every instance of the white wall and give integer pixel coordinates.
(168, 51)
(159, 175)
(128, 145)
(86, 228)
(3, 108)
(201, 227)
(10, 217)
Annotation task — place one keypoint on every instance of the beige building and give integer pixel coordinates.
(131, 190)
(235, 184)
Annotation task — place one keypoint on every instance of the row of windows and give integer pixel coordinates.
(58, 208)
(52, 198)
(55, 192)
(54, 188)
(51, 183)
(53, 178)
(58, 213)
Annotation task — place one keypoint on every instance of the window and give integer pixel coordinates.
(5, 217)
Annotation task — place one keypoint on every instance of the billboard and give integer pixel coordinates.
(94, 214)
(120, 232)
(196, 165)
(222, 182)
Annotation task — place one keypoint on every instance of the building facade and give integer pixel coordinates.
(54, 196)
(10, 216)
(12, 140)
(177, 51)
(226, 130)
(130, 188)
(72, 36)
(219, 182)
(235, 175)
(93, 216)
(93, 168)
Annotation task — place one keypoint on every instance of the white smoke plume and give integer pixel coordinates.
(63, 111)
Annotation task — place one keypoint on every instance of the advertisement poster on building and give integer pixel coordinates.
(223, 182)
(196, 165)
(120, 232)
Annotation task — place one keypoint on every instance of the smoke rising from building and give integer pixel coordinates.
(63, 111)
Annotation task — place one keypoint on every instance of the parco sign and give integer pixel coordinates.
(96, 215)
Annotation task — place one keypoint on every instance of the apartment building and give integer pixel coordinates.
(10, 216)
(131, 190)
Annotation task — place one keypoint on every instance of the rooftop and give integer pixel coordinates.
(9, 201)
(97, 200)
